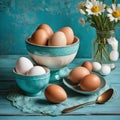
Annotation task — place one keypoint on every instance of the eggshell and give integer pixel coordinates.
(96, 66)
(114, 55)
(112, 66)
(23, 65)
(105, 70)
(90, 82)
(58, 39)
(36, 70)
(40, 37)
(77, 74)
(55, 94)
(68, 33)
(88, 65)
(47, 28)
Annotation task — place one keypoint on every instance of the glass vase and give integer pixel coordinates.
(105, 47)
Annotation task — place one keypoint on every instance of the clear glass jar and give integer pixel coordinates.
(105, 47)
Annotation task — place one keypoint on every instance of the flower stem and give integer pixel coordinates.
(101, 47)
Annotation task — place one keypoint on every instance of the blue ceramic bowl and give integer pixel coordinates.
(54, 57)
(32, 85)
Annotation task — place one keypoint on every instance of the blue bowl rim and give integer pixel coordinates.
(28, 76)
(76, 41)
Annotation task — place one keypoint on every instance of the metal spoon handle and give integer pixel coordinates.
(70, 109)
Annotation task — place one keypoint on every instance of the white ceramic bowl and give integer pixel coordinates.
(53, 57)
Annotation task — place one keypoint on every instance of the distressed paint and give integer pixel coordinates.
(108, 111)
(19, 18)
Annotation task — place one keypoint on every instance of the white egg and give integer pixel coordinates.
(112, 66)
(36, 70)
(114, 55)
(96, 66)
(105, 70)
(23, 65)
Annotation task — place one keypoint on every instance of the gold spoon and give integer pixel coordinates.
(104, 97)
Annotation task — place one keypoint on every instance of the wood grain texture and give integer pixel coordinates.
(82, 117)
(108, 111)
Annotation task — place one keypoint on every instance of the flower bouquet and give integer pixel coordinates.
(104, 19)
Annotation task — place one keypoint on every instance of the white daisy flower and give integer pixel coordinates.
(114, 12)
(95, 7)
(82, 11)
(81, 7)
(113, 42)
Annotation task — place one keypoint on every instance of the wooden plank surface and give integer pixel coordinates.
(82, 117)
(109, 110)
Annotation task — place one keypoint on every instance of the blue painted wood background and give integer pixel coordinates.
(19, 18)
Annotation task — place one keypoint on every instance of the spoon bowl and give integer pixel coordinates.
(104, 97)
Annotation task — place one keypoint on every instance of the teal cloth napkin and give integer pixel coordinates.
(40, 105)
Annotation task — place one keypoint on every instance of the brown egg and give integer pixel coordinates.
(47, 28)
(90, 82)
(58, 39)
(88, 65)
(55, 94)
(77, 74)
(69, 34)
(39, 37)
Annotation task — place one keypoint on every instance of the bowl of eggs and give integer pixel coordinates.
(31, 79)
(54, 50)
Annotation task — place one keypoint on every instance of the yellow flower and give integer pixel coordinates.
(114, 12)
(94, 7)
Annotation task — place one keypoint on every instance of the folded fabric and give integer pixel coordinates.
(40, 105)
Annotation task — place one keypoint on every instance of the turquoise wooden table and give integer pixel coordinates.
(108, 111)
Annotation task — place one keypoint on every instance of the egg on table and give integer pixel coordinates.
(77, 74)
(90, 82)
(23, 65)
(105, 70)
(55, 93)
(96, 66)
(88, 65)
